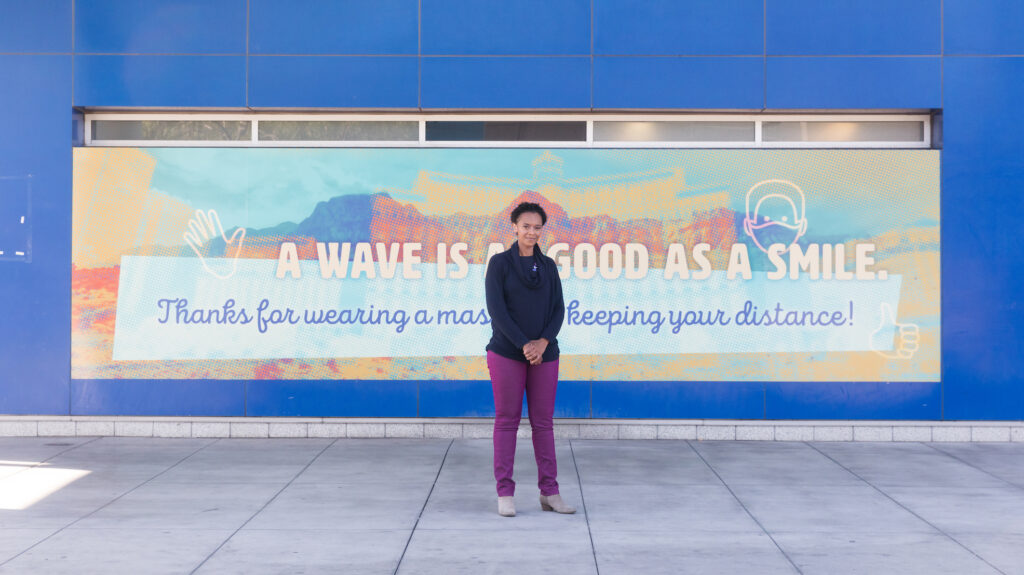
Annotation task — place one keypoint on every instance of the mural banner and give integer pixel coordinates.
(707, 265)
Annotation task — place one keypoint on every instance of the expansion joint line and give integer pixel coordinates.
(108, 503)
(422, 509)
(905, 508)
(744, 506)
(583, 504)
(973, 466)
(55, 455)
(264, 506)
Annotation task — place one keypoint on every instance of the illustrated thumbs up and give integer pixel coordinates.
(907, 336)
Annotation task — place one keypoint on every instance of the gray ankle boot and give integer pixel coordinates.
(507, 506)
(555, 503)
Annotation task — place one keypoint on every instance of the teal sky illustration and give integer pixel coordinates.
(849, 191)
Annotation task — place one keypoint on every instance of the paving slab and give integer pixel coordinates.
(184, 506)
(906, 464)
(65, 504)
(118, 551)
(472, 552)
(966, 509)
(844, 509)
(873, 553)
(10, 467)
(298, 505)
(656, 463)
(670, 553)
(16, 540)
(128, 458)
(377, 461)
(768, 463)
(1000, 460)
(709, 508)
(37, 449)
(247, 461)
(308, 551)
(345, 506)
(1002, 550)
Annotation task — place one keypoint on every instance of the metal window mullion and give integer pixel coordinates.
(254, 131)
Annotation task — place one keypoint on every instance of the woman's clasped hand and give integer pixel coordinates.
(534, 351)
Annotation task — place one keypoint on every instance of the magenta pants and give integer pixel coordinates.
(509, 379)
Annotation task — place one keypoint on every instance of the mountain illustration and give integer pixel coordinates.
(378, 217)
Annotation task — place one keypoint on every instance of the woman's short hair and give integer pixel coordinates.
(529, 207)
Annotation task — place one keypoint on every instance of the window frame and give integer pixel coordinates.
(422, 119)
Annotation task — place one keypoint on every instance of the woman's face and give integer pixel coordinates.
(528, 228)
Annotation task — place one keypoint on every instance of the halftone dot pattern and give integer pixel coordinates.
(652, 197)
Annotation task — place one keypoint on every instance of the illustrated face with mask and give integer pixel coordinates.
(775, 214)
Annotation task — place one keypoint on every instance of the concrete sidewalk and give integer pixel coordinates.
(133, 505)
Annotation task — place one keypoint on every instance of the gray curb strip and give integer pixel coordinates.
(480, 428)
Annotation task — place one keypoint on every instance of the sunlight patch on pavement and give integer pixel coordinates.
(26, 487)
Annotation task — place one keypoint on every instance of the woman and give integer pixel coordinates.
(524, 298)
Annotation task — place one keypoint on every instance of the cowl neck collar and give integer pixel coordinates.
(535, 281)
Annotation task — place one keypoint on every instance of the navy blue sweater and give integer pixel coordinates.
(522, 308)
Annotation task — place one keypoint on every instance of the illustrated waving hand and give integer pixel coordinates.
(907, 336)
(206, 226)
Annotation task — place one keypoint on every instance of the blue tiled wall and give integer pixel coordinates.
(854, 27)
(323, 82)
(147, 27)
(692, 28)
(524, 27)
(856, 82)
(35, 297)
(963, 56)
(334, 27)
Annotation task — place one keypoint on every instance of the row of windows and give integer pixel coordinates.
(908, 131)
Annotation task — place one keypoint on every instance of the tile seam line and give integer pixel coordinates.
(591, 54)
(537, 56)
(711, 55)
(744, 506)
(764, 99)
(264, 506)
(969, 464)
(419, 54)
(412, 55)
(942, 104)
(907, 509)
(936, 55)
(583, 504)
(107, 504)
(40, 463)
(211, 54)
(248, 41)
(424, 507)
(360, 55)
